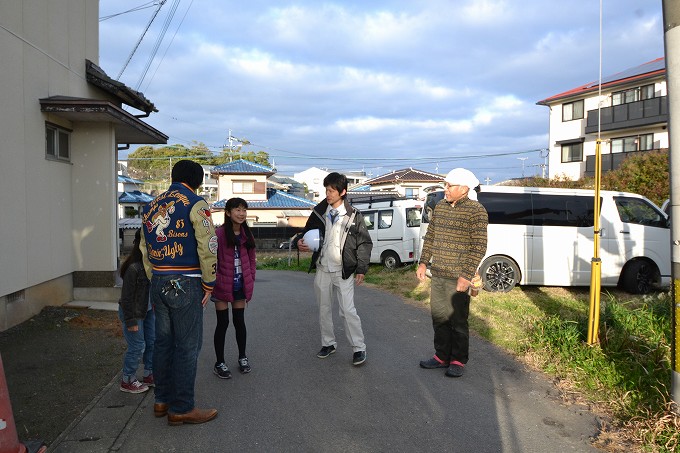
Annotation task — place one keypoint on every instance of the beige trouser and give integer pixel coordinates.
(325, 285)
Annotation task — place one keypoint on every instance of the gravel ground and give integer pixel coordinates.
(55, 364)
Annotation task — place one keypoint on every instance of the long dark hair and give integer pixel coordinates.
(233, 203)
(136, 254)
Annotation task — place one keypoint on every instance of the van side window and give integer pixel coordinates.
(412, 217)
(369, 219)
(636, 210)
(507, 208)
(560, 210)
(385, 219)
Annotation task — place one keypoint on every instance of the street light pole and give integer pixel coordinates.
(522, 159)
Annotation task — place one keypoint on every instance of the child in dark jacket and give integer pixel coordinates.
(137, 316)
(234, 283)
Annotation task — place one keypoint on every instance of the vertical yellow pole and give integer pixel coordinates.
(596, 262)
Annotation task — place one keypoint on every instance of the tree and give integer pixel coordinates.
(150, 163)
(644, 173)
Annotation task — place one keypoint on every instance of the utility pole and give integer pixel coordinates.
(671, 22)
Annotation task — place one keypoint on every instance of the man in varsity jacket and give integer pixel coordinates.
(455, 244)
(180, 256)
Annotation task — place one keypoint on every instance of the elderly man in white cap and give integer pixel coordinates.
(454, 245)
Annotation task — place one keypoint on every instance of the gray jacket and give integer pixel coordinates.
(356, 244)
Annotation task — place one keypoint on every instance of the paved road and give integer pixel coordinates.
(295, 402)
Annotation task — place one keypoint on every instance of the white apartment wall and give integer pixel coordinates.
(44, 55)
(313, 177)
(568, 130)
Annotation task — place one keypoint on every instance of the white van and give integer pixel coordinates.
(544, 236)
(394, 226)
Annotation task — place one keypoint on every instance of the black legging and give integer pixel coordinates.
(221, 332)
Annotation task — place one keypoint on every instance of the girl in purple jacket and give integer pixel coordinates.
(235, 282)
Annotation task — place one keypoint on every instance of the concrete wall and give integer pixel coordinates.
(57, 217)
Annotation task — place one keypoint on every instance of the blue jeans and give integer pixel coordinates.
(179, 335)
(140, 344)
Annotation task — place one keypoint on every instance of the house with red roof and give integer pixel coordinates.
(628, 111)
(407, 182)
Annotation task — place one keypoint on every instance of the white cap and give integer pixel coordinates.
(463, 177)
(311, 238)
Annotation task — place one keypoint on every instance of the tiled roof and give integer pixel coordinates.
(135, 197)
(405, 175)
(240, 167)
(128, 180)
(275, 200)
(647, 70)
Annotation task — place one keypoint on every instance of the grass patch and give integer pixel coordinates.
(627, 375)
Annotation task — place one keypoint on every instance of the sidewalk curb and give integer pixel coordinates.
(122, 425)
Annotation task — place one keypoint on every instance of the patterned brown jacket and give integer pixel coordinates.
(456, 239)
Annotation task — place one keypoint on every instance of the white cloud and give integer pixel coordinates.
(306, 78)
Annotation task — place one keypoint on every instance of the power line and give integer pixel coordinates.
(139, 41)
(136, 8)
(158, 42)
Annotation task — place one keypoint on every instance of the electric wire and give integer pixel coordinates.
(168, 47)
(132, 10)
(159, 40)
(139, 41)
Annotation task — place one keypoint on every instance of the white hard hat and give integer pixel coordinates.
(312, 240)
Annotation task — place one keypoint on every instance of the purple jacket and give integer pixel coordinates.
(224, 284)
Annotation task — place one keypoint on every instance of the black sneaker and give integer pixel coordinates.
(326, 351)
(222, 371)
(455, 370)
(243, 365)
(432, 363)
(359, 358)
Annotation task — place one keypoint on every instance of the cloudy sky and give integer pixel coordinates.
(373, 85)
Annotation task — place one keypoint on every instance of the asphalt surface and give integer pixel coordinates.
(294, 402)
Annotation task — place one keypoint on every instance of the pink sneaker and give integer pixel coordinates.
(148, 380)
(133, 387)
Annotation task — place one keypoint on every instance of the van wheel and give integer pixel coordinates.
(638, 276)
(499, 274)
(391, 260)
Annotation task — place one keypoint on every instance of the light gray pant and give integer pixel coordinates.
(326, 284)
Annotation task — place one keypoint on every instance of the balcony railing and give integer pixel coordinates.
(633, 114)
(609, 161)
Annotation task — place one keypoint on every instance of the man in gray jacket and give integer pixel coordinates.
(344, 251)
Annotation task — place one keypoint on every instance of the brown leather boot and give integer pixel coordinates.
(194, 416)
(160, 409)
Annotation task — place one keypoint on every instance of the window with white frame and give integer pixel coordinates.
(572, 152)
(643, 142)
(572, 111)
(633, 95)
(411, 192)
(57, 143)
(243, 187)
